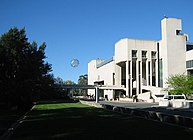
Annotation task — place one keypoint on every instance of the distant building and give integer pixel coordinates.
(141, 67)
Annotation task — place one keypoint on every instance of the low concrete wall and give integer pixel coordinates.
(177, 103)
(152, 115)
(126, 99)
(144, 96)
(91, 103)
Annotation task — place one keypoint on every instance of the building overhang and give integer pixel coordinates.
(107, 87)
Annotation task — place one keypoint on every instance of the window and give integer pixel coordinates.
(189, 47)
(153, 55)
(113, 78)
(144, 70)
(153, 72)
(189, 64)
(144, 54)
(177, 32)
(134, 53)
(179, 97)
(160, 74)
(168, 97)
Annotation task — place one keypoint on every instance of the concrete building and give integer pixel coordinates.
(141, 67)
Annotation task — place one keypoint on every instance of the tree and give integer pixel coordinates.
(24, 74)
(83, 80)
(72, 92)
(178, 84)
(58, 81)
(59, 90)
(69, 82)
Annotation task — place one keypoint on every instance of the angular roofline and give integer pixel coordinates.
(136, 39)
(105, 62)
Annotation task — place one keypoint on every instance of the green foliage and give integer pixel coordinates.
(178, 84)
(69, 82)
(24, 75)
(71, 92)
(83, 80)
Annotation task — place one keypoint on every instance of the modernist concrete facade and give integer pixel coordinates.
(141, 67)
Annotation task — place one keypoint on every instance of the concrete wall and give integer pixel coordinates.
(189, 55)
(92, 71)
(92, 74)
(141, 45)
(172, 48)
(109, 94)
(103, 73)
(121, 52)
(124, 46)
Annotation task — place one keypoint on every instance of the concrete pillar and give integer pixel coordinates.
(140, 78)
(137, 77)
(97, 94)
(147, 73)
(130, 78)
(151, 72)
(127, 78)
(157, 71)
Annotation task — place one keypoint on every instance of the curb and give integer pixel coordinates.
(91, 104)
(153, 115)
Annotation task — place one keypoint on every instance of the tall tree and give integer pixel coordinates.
(23, 71)
(83, 80)
(71, 92)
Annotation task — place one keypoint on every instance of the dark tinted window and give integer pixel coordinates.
(179, 97)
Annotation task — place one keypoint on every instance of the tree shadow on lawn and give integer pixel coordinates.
(91, 123)
(8, 117)
(56, 101)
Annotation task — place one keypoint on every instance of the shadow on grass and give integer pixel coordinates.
(7, 117)
(57, 101)
(77, 121)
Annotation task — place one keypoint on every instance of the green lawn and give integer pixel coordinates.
(76, 121)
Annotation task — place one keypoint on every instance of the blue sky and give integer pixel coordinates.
(88, 29)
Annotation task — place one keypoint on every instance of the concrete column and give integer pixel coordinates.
(140, 77)
(137, 77)
(130, 78)
(151, 72)
(97, 94)
(127, 78)
(147, 73)
(156, 72)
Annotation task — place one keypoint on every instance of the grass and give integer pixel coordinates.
(54, 120)
(7, 118)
